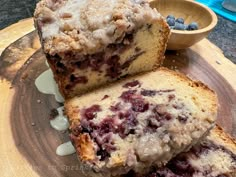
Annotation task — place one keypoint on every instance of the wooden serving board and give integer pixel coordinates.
(28, 143)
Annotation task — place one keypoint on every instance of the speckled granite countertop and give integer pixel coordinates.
(224, 35)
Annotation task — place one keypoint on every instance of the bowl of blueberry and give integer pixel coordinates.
(189, 21)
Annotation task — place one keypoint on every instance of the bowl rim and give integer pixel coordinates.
(207, 28)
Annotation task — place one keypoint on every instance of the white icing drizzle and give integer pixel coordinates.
(83, 27)
(45, 83)
(60, 123)
(65, 149)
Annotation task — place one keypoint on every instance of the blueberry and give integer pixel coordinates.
(179, 26)
(180, 20)
(192, 26)
(185, 27)
(170, 21)
(171, 17)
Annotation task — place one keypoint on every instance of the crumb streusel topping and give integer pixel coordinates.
(88, 26)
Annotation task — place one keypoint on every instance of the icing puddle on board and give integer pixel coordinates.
(65, 149)
(46, 84)
(60, 122)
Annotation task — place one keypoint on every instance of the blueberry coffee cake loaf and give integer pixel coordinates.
(139, 122)
(91, 42)
(213, 157)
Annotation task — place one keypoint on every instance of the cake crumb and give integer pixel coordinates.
(218, 62)
(24, 76)
(53, 114)
(91, 33)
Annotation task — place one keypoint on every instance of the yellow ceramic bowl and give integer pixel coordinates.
(190, 11)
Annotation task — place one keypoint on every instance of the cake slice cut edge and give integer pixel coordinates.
(140, 122)
(215, 156)
(78, 55)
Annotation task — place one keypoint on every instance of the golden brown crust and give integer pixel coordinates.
(84, 147)
(224, 138)
(72, 113)
(82, 142)
(166, 35)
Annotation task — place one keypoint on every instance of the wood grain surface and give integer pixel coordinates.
(28, 143)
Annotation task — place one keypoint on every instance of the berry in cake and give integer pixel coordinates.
(143, 121)
(215, 156)
(89, 43)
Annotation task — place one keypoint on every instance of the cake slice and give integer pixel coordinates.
(139, 122)
(91, 42)
(213, 157)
